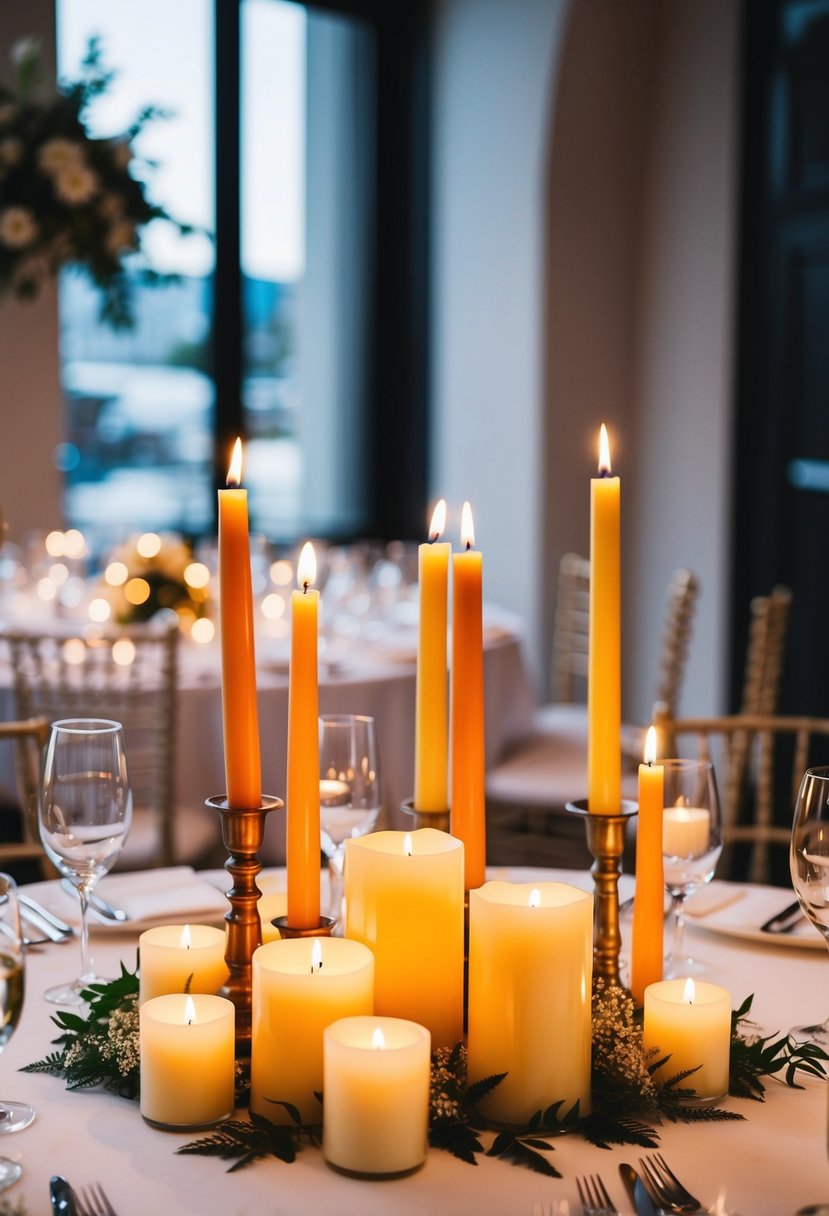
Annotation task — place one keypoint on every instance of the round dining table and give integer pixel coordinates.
(771, 1164)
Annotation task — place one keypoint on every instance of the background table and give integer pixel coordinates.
(769, 1165)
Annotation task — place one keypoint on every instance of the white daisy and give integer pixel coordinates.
(17, 227)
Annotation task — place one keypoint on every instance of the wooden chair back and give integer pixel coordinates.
(29, 739)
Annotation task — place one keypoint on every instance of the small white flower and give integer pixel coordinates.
(76, 185)
(121, 236)
(17, 227)
(11, 150)
(59, 154)
(25, 49)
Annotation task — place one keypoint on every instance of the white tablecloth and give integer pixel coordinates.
(769, 1165)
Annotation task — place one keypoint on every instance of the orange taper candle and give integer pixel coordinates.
(240, 715)
(649, 900)
(303, 785)
(467, 706)
(604, 691)
(431, 722)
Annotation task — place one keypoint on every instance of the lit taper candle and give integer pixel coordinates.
(431, 745)
(604, 695)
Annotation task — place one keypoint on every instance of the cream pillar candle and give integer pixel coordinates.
(170, 955)
(686, 831)
(691, 1022)
(269, 907)
(404, 899)
(187, 1059)
(376, 1086)
(530, 976)
(300, 986)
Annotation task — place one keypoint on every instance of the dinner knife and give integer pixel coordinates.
(62, 1197)
(635, 1187)
(785, 921)
(96, 903)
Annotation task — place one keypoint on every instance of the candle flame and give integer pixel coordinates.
(407, 845)
(604, 452)
(650, 746)
(438, 524)
(689, 992)
(306, 570)
(189, 1011)
(467, 530)
(378, 1040)
(316, 956)
(186, 938)
(234, 473)
(535, 898)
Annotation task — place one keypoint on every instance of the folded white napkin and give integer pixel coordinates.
(155, 894)
(712, 898)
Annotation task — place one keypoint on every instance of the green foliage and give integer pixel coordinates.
(244, 1142)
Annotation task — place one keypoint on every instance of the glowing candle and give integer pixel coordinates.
(691, 1022)
(376, 1085)
(240, 715)
(604, 696)
(686, 831)
(175, 957)
(303, 791)
(187, 1060)
(467, 706)
(431, 747)
(649, 900)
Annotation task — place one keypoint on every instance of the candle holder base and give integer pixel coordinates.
(606, 841)
(243, 830)
(439, 820)
(324, 928)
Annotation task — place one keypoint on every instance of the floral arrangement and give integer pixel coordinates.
(66, 198)
(152, 581)
(628, 1104)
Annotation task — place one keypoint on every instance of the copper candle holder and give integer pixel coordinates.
(439, 820)
(606, 841)
(324, 928)
(243, 830)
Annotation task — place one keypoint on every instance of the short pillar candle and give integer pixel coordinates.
(690, 1021)
(300, 986)
(530, 979)
(376, 1086)
(187, 1060)
(175, 958)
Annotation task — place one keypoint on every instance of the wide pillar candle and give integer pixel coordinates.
(303, 790)
(686, 831)
(404, 900)
(530, 977)
(240, 714)
(691, 1022)
(604, 690)
(468, 758)
(187, 1060)
(175, 958)
(376, 1086)
(300, 986)
(649, 899)
(431, 720)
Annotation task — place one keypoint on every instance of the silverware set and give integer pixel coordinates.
(91, 1200)
(654, 1190)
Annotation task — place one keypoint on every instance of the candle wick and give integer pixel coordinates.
(305, 587)
(435, 536)
(468, 545)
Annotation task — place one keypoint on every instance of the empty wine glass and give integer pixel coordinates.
(809, 864)
(85, 813)
(350, 796)
(13, 1115)
(691, 845)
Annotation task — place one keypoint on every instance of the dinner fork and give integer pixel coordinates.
(93, 1201)
(595, 1200)
(665, 1188)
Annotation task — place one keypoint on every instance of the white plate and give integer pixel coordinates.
(742, 916)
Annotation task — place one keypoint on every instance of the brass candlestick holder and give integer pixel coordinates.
(606, 841)
(243, 830)
(324, 928)
(439, 820)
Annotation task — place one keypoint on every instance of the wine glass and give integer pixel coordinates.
(350, 796)
(13, 1115)
(809, 864)
(691, 845)
(85, 812)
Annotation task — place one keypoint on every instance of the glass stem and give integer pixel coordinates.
(678, 948)
(86, 962)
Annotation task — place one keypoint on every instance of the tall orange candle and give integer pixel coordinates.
(604, 691)
(240, 715)
(649, 900)
(467, 706)
(431, 723)
(303, 784)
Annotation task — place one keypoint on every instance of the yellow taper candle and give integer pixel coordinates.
(468, 759)
(431, 745)
(649, 900)
(604, 696)
(240, 715)
(303, 788)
